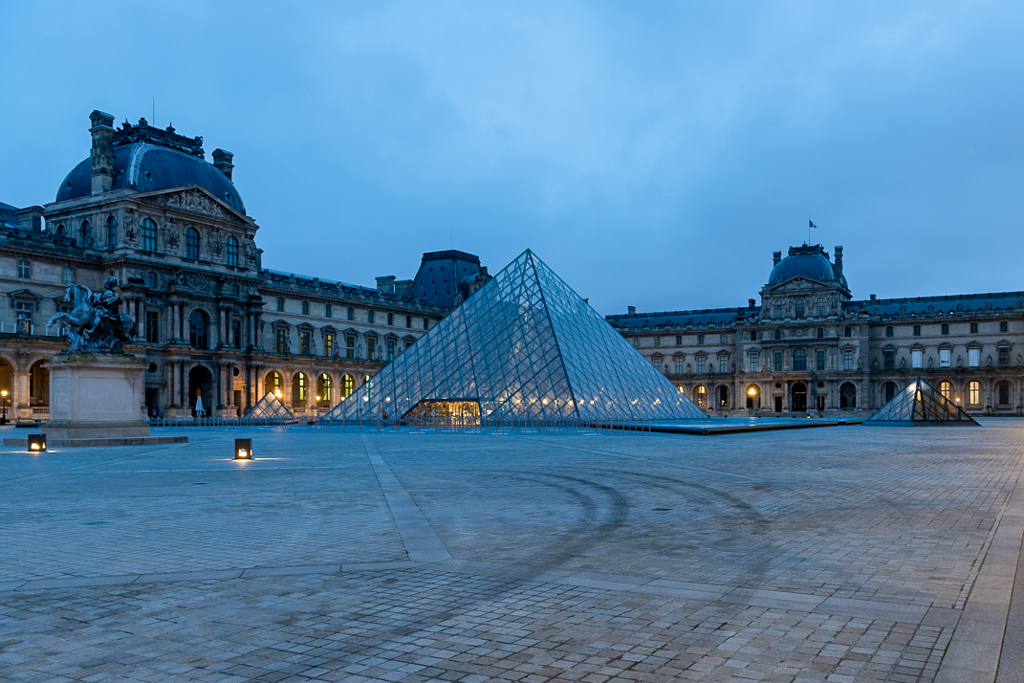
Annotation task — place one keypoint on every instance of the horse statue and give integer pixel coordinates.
(94, 323)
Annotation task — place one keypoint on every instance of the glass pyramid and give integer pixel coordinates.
(525, 345)
(269, 408)
(920, 402)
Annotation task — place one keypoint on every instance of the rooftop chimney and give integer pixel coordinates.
(385, 283)
(222, 161)
(630, 310)
(102, 173)
(874, 297)
(776, 257)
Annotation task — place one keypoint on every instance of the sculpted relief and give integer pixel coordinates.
(198, 202)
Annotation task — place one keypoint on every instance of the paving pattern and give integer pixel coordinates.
(838, 554)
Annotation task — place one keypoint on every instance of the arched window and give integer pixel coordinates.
(848, 395)
(323, 388)
(347, 386)
(299, 387)
(272, 384)
(231, 249)
(889, 390)
(723, 396)
(198, 324)
(974, 393)
(1003, 393)
(701, 395)
(946, 389)
(753, 397)
(148, 235)
(62, 231)
(191, 243)
(86, 233)
(799, 359)
(111, 233)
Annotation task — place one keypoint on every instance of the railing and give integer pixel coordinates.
(474, 425)
(217, 421)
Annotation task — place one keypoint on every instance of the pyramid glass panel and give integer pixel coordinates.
(524, 345)
(921, 403)
(269, 408)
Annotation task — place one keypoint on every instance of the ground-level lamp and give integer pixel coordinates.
(37, 442)
(243, 449)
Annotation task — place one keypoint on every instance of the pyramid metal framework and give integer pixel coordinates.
(921, 403)
(270, 407)
(525, 345)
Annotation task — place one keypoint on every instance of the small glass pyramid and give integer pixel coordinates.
(525, 345)
(920, 402)
(270, 408)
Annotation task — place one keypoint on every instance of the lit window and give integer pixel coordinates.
(657, 341)
(148, 234)
(192, 243)
(328, 344)
(281, 340)
(305, 342)
(974, 393)
(946, 389)
(973, 357)
(231, 251)
(917, 358)
(701, 394)
(944, 358)
(723, 396)
(347, 385)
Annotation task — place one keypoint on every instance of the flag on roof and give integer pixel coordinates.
(812, 224)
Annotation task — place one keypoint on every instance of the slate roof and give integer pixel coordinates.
(437, 280)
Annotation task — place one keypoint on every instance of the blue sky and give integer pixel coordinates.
(653, 154)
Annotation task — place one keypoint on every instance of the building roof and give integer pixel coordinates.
(147, 159)
(926, 306)
(708, 317)
(809, 261)
(8, 215)
(437, 280)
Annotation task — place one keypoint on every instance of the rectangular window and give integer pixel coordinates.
(23, 270)
(305, 347)
(305, 308)
(973, 357)
(657, 341)
(679, 366)
(944, 358)
(945, 328)
(350, 346)
(917, 358)
(723, 339)
(889, 359)
(917, 330)
(752, 361)
(777, 312)
(799, 359)
(153, 327)
(819, 359)
(1004, 326)
(426, 323)
(777, 361)
(236, 333)
(821, 308)
(280, 303)
(753, 335)
(799, 309)
(371, 347)
(351, 314)
(391, 318)
(700, 339)
(328, 344)
(408, 321)
(847, 359)
(723, 364)
(701, 364)
(281, 340)
(1004, 356)
(390, 348)
(369, 317)
(679, 340)
(974, 328)
(328, 311)
(67, 274)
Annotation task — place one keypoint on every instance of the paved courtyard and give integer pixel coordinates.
(835, 554)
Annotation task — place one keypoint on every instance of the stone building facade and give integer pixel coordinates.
(810, 348)
(147, 208)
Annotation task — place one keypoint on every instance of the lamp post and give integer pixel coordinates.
(3, 417)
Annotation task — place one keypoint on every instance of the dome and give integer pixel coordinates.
(146, 167)
(809, 262)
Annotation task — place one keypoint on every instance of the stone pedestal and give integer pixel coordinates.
(96, 396)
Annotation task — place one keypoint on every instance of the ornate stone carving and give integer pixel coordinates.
(249, 248)
(199, 202)
(216, 242)
(129, 226)
(172, 238)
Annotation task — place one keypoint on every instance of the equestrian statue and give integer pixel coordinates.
(94, 323)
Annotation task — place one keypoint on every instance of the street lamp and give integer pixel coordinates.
(3, 417)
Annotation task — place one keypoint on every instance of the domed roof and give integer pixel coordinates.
(808, 261)
(141, 165)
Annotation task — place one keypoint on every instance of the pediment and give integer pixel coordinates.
(196, 200)
(798, 285)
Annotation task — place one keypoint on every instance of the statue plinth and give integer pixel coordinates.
(95, 395)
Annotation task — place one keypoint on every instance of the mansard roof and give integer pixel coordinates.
(938, 305)
(722, 317)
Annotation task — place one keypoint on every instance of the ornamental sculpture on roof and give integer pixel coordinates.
(94, 323)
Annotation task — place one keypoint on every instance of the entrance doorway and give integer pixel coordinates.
(821, 402)
(200, 384)
(799, 397)
(778, 404)
(152, 401)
